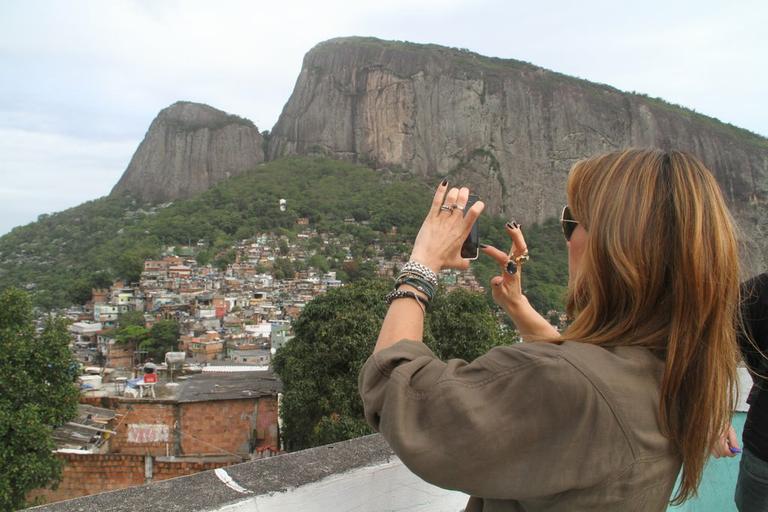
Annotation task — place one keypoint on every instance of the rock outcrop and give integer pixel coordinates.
(510, 129)
(188, 148)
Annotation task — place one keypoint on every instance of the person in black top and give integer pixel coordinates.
(752, 486)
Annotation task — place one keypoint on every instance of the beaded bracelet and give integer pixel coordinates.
(419, 270)
(420, 284)
(407, 294)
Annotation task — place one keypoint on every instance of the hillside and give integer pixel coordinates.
(62, 256)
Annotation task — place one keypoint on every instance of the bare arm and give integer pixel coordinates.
(404, 321)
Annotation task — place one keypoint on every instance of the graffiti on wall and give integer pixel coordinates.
(147, 433)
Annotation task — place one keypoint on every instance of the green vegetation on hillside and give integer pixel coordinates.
(62, 256)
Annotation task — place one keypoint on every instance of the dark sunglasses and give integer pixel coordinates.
(568, 223)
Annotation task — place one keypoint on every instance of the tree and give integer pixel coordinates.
(336, 333)
(131, 318)
(204, 257)
(162, 337)
(283, 268)
(132, 335)
(37, 394)
(462, 326)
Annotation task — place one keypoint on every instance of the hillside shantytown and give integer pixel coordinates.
(214, 399)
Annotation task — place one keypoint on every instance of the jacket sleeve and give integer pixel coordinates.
(516, 423)
(753, 337)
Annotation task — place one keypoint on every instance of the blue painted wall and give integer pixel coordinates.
(718, 482)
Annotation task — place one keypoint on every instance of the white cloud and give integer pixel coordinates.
(45, 172)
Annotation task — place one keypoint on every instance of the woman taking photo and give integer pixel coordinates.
(602, 416)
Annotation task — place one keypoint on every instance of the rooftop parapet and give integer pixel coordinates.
(362, 473)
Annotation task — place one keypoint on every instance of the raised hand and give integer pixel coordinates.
(507, 288)
(438, 244)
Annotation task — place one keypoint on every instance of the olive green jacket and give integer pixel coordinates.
(529, 427)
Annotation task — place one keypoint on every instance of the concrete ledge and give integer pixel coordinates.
(206, 491)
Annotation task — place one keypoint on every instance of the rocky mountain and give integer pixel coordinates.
(510, 129)
(188, 148)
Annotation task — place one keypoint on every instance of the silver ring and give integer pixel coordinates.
(457, 207)
(446, 209)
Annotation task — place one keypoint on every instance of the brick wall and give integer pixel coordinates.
(93, 473)
(166, 469)
(219, 427)
(267, 435)
(137, 414)
(86, 474)
(228, 426)
(120, 356)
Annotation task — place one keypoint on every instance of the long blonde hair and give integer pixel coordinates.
(660, 270)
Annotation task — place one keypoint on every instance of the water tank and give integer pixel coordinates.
(175, 357)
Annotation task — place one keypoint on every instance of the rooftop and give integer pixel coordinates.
(228, 386)
(362, 473)
(84, 432)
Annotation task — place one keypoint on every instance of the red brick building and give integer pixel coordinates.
(209, 420)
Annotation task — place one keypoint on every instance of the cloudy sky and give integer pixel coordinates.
(82, 80)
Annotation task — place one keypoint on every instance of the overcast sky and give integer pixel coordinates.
(82, 80)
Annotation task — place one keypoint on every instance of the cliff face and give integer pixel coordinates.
(188, 148)
(509, 129)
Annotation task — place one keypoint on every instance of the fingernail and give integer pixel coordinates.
(513, 225)
(734, 450)
(444, 182)
(483, 246)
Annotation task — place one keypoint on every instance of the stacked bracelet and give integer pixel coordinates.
(407, 294)
(419, 276)
(416, 269)
(401, 294)
(420, 284)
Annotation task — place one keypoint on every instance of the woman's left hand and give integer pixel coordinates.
(438, 244)
(727, 445)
